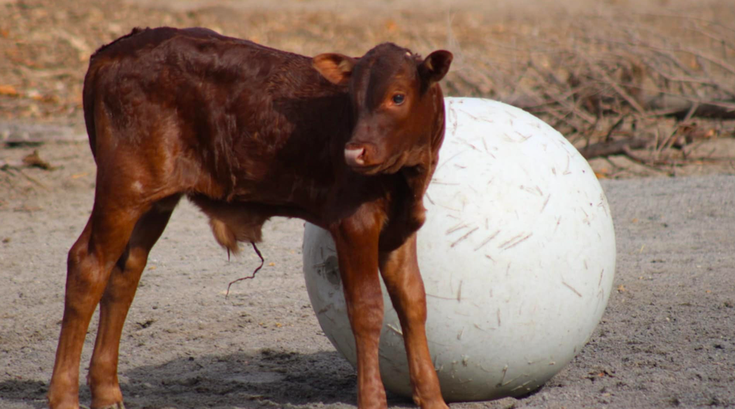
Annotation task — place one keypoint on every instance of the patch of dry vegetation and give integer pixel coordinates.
(653, 86)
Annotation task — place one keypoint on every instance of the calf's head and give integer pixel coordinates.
(395, 99)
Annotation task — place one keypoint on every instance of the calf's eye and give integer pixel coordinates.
(398, 99)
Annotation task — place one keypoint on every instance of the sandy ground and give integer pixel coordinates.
(666, 340)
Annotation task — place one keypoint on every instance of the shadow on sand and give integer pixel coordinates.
(267, 378)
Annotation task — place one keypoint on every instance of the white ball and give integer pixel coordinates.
(517, 257)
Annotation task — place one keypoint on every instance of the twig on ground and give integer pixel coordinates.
(250, 277)
(616, 125)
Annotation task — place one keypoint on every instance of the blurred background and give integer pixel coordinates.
(644, 87)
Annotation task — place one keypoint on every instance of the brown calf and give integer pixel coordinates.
(247, 133)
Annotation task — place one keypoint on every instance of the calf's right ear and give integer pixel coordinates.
(336, 68)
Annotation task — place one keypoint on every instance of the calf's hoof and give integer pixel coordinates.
(434, 404)
(117, 405)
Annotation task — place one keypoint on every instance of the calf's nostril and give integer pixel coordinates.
(355, 156)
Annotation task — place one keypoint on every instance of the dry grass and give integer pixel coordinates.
(599, 74)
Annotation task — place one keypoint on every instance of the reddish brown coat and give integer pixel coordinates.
(247, 133)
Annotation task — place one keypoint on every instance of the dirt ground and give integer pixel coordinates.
(667, 338)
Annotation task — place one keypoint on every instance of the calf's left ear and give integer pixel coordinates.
(436, 66)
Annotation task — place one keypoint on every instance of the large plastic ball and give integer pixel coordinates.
(517, 257)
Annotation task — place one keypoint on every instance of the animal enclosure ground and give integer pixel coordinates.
(666, 340)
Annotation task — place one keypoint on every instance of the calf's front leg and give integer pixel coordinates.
(402, 278)
(357, 250)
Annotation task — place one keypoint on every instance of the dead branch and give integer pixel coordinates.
(683, 107)
(604, 149)
(629, 99)
(616, 125)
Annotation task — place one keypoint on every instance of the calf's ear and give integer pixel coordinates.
(436, 66)
(336, 68)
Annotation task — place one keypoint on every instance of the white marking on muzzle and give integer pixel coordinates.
(354, 157)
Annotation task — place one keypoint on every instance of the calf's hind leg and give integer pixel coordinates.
(116, 301)
(89, 264)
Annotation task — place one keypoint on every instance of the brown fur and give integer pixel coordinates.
(247, 132)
